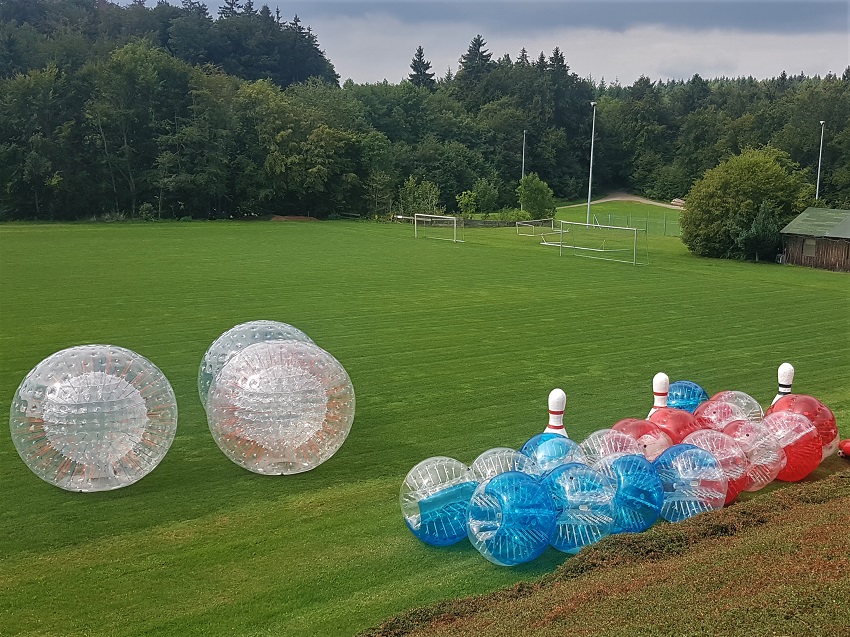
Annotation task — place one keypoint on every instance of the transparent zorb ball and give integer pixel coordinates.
(501, 459)
(605, 442)
(551, 450)
(234, 341)
(732, 458)
(281, 407)
(693, 481)
(93, 418)
(651, 439)
(716, 414)
(435, 498)
(749, 405)
(799, 439)
(640, 494)
(765, 457)
(584, 501)
(685, 394)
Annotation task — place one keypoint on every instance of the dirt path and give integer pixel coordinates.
(624, 196)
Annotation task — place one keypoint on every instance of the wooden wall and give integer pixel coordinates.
(830, 254)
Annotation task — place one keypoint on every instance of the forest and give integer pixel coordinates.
(119, 112)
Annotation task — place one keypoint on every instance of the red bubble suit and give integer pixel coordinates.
(766, 458)
(820, 415)
(728, 454)
(676, 423)
(844, 448)
(716, 414)
(800, 441)
(650, 438)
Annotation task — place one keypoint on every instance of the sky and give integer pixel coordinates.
(611, 39)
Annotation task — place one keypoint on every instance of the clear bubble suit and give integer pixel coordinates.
(650, 437)
(799, 439)
(716, 414)
(281, 407)
(501, 459)
(640, 494)
(732, 458)
(234, 341)
(764, 455)
(693, 481)
(749, 405)
(605, 442)
(584, 501)
(435, 498)
(552, 450)
(511, 518)
(821, 416)
(686, 394)
(93, 418)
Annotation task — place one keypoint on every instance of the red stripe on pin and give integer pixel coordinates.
(556, 413)
(660, 393)
(554, 426)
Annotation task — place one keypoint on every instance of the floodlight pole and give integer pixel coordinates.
(590, 177)
(523, 163)
(820, 155)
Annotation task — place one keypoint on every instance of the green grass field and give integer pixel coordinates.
(452, 349)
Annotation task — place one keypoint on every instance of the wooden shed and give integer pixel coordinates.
(819, 238)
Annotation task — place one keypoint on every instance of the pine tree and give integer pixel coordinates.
(229, 8)
(476, 60)
(522, 60)
(420, 67)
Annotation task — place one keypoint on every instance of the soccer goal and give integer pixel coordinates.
(438, 227)
(595, 241)
(534, 227)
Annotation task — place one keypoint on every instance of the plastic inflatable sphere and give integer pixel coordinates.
(685, 394)
(584, 500)
(501, 459)
(605, 442)
(234, 341)
(511, 518)
(93, 418)
(640, 494)
(652, 441)
(676, 423)
(435, 498)
(551, 450)
(716, 414)
(820, 415)
(765, 457)
(693, 481)
(281, 407)
(728, 453)
(800, 441)
(747, 404)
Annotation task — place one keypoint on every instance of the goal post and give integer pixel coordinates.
(442, 227)
(596, 241)
(530, 228)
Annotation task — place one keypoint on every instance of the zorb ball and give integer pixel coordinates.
(501, 459)
(584, 501)
(435, 500)
(605, 442)
(765, 458)
(639, 495)
(716, 414)
(676, 423)
(732, 458)
(749, 405)
(511, 518)
(820, 415)
(93, 418)
(685, 394)
(693, 481)
(234, 341)
(800, 441)
(551, 450)
(649, 436)
(281, 407)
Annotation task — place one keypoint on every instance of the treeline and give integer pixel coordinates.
(170, 112)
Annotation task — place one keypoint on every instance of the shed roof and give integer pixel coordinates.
(820, 222)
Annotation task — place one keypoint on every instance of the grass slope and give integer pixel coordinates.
(452, 350)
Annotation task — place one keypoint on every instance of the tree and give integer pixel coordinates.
(419, 75)
(536, 197)
(730, 210)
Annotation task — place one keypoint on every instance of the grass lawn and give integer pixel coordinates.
(452, 349)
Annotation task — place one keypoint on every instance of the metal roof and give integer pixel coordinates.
(820, 222)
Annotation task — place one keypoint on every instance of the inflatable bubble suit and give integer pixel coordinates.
(640, 494)
(685, 394)
(551, 450)
(716, 414)
(501, 459)
(728, 453)
(676, 423)
(749, 405)
(511, 518)
(821, 416)
(765, 458)
(649, 436)
(693, 481)
(605, 442)
(281, 407)
(234, 341)
(800, 441)
(93, 418)
(584, 500)
(435, 500)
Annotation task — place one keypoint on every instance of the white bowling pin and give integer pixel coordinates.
(557, 404)
(786, 378)
(660, 389)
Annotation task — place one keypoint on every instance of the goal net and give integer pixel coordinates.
(438, 227)
(596, 241)
(534, 227)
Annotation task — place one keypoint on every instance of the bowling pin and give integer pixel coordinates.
(660, 389)
(557, 404)
(786, 378)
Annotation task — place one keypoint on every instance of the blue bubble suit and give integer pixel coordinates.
(501, 459)
(551, 450)
(511, 518)
(435, 498)
(584, 500)
(693, 481)
(640, 494)
(687, 395)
